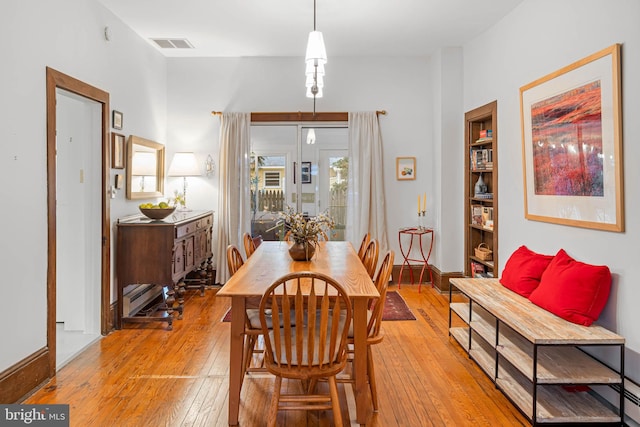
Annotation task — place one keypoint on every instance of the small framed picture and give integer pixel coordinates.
(117, 151)
(119, 181)
(305, 173)
(116, 120)
(405, 168)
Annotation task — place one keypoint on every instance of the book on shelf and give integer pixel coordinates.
(481, 159)
(484, 196)
(476, 215)
(478, 270)
(485, 133)
(481, 140)
(487, 217)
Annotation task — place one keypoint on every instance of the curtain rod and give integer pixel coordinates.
(378, 112)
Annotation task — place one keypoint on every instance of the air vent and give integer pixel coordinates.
(173, 43)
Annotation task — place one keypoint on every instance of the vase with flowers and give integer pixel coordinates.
(304, 231)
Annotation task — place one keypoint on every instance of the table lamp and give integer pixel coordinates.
(184, 165)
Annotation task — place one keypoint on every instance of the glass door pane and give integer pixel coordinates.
(324, 153)
(273, 152)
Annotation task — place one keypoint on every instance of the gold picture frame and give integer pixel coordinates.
(405, 168)
(571, 122)
(117, 119)
(117, 150)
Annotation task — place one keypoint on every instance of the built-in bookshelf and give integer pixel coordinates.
(481, 191)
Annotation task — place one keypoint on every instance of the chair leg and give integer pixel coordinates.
(311, 386)
(246, 356)
(372, 379)
(335, 401)
(275, 401)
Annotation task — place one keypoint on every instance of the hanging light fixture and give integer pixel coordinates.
(315, 58)
(311, 136)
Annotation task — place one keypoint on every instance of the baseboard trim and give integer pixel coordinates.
(440, 279)
(113, 310)
(19, 380)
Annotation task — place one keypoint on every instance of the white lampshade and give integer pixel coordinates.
(319, 81)
(184, 164)
(311, 136)
(311, 68)
(315, 48)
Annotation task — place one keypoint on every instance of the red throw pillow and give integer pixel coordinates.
(523, 270)
(573, 290)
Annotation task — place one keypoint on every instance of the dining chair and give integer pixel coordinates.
(249, 245)
(375, 333)
(314, 314)
(363, 245)
(370, 258)
(253, 330)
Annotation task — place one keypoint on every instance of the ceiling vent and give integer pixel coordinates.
(173, 43)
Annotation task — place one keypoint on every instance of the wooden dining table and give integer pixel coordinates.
(271, 261)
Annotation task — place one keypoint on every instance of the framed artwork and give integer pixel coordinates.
(572, 144)
(305, 173)
(117, 151)
(405, 168)
(116, 120)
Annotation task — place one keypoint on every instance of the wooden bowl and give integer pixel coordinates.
(157, 213)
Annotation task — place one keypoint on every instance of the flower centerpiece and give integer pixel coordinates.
(304, 231)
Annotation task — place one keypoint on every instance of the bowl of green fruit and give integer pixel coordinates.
(156, 211)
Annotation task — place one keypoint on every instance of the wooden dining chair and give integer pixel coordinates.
(249, 245)
(374, 330)
(314, 314)
(253, 330)
(370, 258)
(234, 259)
(363, 246)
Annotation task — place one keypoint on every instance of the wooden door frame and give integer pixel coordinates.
(55, 80)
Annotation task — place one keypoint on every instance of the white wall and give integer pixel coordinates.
(537, 38)
(399, 85)
(66, 35)
(448, 149)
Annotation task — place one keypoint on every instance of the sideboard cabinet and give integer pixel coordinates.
(172, 254)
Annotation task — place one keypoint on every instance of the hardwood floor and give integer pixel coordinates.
(153, 377)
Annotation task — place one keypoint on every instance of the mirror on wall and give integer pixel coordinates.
(145, 168)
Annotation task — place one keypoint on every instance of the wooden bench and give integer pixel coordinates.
(535, 358)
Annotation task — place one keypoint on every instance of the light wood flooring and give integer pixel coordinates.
(152, 377)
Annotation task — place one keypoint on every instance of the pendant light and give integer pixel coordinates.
(315, 58)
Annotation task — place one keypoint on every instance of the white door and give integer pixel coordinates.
(78, 213)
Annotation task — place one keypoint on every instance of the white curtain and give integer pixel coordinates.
(233, 195)
(366, 198)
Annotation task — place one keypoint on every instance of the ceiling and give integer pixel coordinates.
(235, 28)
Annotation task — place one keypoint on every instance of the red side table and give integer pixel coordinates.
(415, 233)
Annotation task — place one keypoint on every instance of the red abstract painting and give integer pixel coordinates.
(567, 143)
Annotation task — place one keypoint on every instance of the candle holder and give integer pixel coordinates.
(421, 215)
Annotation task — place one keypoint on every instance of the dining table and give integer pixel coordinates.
(269, 262)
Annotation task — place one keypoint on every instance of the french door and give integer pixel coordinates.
(301, 166)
